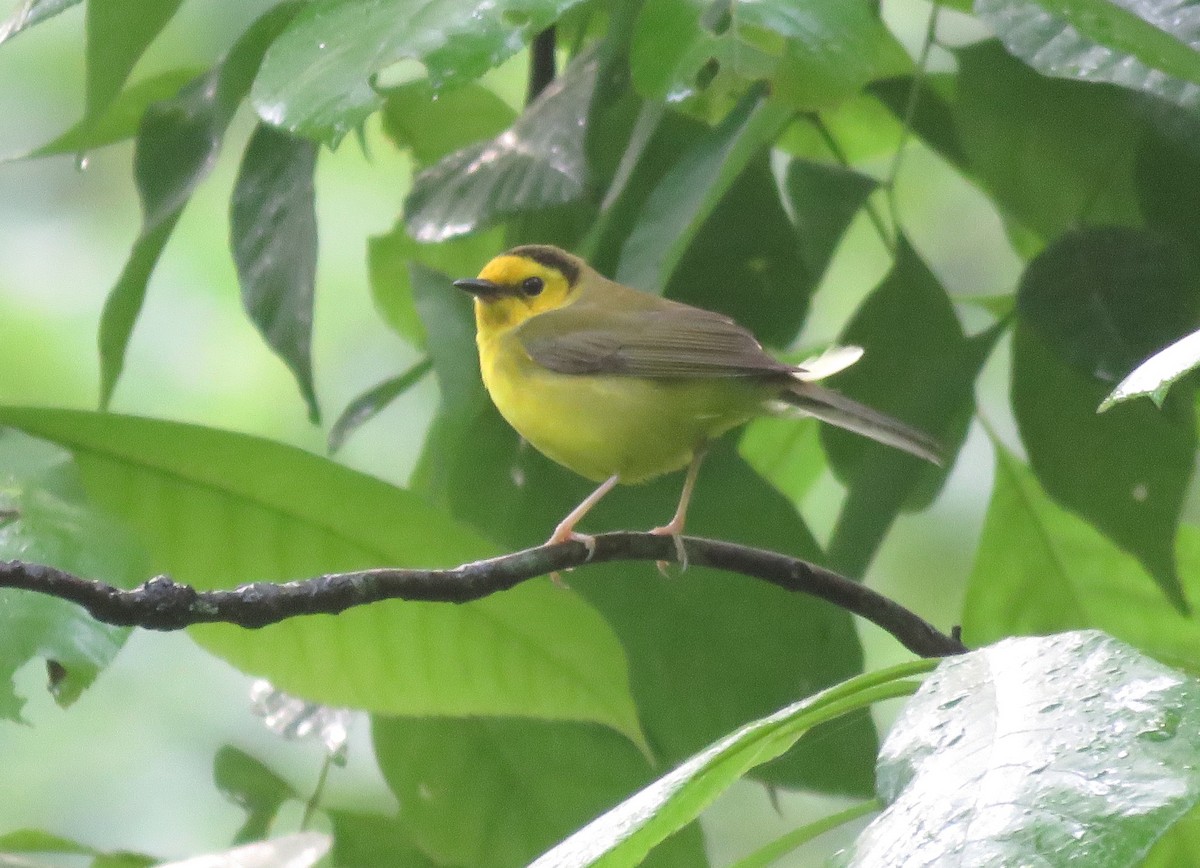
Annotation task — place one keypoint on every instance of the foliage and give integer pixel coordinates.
(726, 154)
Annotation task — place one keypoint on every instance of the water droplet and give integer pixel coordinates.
(81, 162)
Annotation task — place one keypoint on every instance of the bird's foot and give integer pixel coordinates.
(565, 534)
(675, 532)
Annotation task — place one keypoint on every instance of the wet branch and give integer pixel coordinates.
(163, 604)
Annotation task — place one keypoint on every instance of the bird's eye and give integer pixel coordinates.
(532, 285)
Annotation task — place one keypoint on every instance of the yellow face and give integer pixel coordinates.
(525, 287)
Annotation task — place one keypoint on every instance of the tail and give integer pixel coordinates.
(829, 406)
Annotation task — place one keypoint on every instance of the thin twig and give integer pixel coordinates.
(163, 604)
(910, 111)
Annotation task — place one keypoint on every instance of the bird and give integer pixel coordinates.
(622, 386)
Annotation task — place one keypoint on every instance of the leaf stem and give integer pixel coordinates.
(910, 111)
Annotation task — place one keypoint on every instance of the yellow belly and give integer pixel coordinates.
(601, 426)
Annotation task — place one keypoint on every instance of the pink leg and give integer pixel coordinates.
(674, 528)
(565, 532)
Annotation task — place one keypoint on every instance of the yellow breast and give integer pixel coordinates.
(601, 426)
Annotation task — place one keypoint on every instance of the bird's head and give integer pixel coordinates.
(524, 282)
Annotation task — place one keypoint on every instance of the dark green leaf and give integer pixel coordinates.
(492, 792)
(250, 785)
(368, 405)
(31, 12)
(918, 367)
(1040, 569)
(813, 54)
(177, 145)
(539, 162)
(434, 123)
(690, 190)
(1147, 45)
(624, 835)
(447, 314)
(1091, 307)
(1051, 153)
(119, 121)
(1146, 455)
(316, 81)
(217, 509)
(118, 32)
(932, 117)
(388, 260)
(1071, 749)
(1167, 173)
(273, 235)
(824, 200)
(47, 520)
(749, 269)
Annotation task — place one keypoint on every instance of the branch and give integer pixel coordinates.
(541, 63)
(163, 604)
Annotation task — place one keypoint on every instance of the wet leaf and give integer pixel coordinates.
(273, 236)
(1147, 45)
(177, 144)
(316, 80)
(539, 162)
(1064, 750)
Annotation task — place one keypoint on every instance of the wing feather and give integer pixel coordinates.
(669, 341)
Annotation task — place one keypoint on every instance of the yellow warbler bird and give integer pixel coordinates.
(622, 386)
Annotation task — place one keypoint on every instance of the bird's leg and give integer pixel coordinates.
(565, 532)
(674, 528)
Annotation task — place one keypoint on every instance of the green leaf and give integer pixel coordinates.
(933, 119)
(368, 405)
(434, 123)
(1167, 173)
(31, 12)
(772, 852)
(750, 270)
(177, 144)
(273, 236)
(786, 452)
(1071, 749)
(539, 162)
(389, 257)
(119, 121)
(316, 81)
(369, 840)
(624, 835)
(1041, 569)
(691, 189)
(216, 509)
(823, 200)
(813, 54)
(118, 33)
(37, 841)
(1154, 376)
(45, 519)
(1051, 153)
(918, 367)
(498, 792)
(250, 785)
(1147, 45)
(1091, 307)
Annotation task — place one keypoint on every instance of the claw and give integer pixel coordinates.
(676, 536)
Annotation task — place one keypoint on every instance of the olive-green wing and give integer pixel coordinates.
(669, 341)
